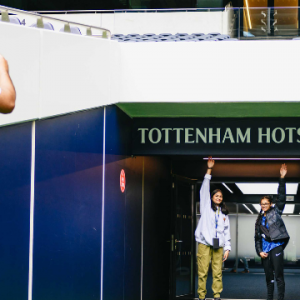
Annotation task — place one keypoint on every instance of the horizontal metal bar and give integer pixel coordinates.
(36, 15)
(158, 10)
(131, 10)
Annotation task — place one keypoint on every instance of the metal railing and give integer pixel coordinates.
(142, 10)
(243, 22)
(34, 19)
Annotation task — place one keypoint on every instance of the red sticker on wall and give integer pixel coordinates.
(122, 181)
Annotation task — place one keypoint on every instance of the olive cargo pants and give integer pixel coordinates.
(204, 256)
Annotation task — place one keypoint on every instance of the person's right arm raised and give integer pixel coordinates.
(205, 202)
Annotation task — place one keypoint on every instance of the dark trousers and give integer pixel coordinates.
(273, 264)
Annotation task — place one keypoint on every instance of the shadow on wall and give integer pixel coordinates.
(130, 233)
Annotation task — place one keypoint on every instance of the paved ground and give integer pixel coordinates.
(252, 285)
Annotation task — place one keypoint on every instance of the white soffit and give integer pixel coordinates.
(257, 207)
(288, 209)
(265, 188)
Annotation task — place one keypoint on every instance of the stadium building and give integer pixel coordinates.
(117, 111)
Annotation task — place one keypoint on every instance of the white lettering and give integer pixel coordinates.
(290, 129)
(240, 136)
(151, 135)
(217, 135)
(261, 134)
(178, 134)
(188, 135)
(166, 134)
(274, 135)
(228, 135)
(298, 132)
(143, 134)
(201, 135)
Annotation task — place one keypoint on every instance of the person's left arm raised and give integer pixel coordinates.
(282, 188)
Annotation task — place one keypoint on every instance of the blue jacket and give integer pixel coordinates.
(277, 229)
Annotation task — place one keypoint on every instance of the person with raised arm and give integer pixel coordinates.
(212, 235)
(271, 237)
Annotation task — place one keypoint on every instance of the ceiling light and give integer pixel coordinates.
(289, 209)
(227, 187)
(248, 208)
(257, 207)
(261, 188)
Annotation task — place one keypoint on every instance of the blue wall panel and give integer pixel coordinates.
(67, 227)
(118, 133)
(123, 218)
(117, 124)
(122, 238)
(15, 153)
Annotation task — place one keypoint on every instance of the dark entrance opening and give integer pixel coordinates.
(233, 177)
(255, 148)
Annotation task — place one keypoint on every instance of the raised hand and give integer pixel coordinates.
(283, 170)
(210, 163)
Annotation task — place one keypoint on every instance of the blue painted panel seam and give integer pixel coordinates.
(103, 194)
(142, 229)
(31, 211)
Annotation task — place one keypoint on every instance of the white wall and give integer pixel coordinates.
(246, 246)
(153, 22)
(74, 73)
(21, 47)
(55, 73)
(246, 230)
(210, 71)
(229, 21)
(292, 251)
(89, 19)
(172, 22)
